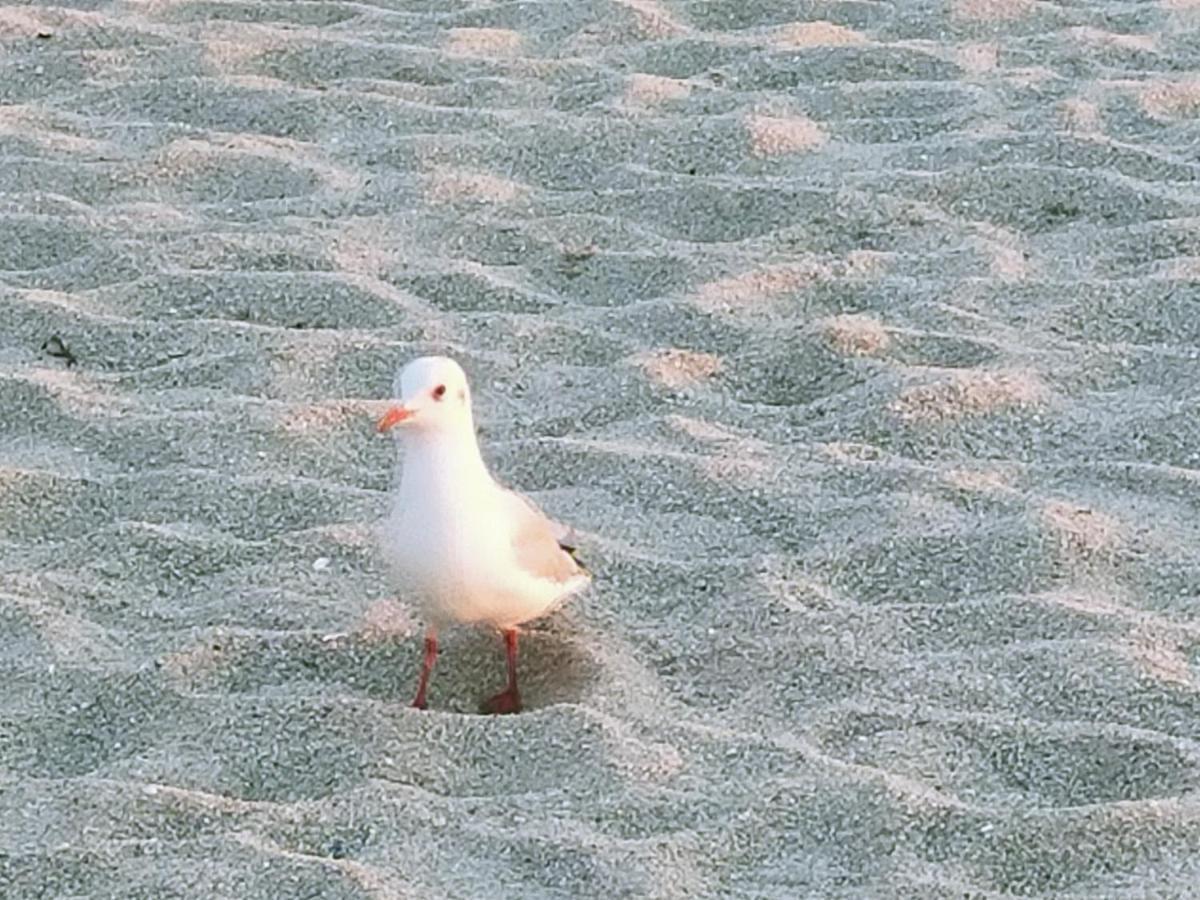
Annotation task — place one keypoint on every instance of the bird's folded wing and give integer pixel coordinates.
(536, 540)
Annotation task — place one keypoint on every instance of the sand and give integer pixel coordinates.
(859, 341)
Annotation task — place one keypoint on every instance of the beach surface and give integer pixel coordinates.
(859, 342)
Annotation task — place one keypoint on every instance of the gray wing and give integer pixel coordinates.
(542, 545)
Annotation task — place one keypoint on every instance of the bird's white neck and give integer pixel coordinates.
(444, 462)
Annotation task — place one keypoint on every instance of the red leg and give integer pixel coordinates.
(431, 651)
(509, 699)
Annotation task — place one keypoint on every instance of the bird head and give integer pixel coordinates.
(433, 397)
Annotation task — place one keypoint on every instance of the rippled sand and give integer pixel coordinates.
(859, 340)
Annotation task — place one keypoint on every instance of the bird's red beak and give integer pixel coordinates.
(393, 417)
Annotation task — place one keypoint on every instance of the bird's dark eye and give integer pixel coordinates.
(439, 392)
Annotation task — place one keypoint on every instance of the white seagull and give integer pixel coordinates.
(473, 551)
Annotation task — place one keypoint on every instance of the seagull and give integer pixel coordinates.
(473, 551)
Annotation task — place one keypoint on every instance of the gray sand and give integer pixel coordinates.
(858, 340)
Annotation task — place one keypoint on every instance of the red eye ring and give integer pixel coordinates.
(439, 392)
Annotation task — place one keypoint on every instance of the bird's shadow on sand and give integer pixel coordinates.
(553, 667)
